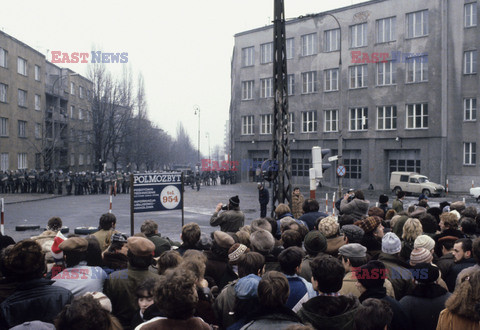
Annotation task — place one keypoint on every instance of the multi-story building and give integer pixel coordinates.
(45, 112)
(393, 82)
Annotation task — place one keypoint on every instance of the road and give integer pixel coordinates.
(85, 211)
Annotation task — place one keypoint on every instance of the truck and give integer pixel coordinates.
(414, 183)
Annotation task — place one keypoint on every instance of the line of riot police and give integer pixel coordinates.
(58, 182)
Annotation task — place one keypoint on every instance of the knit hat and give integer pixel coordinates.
(329, 226)
(246, 287)
(369, 224)
(222, 239)
(353, 233)
(425, 273)
(262, 241)
(315, 242)
(391, 244)
(74, 244)
(420, 255)
(140, 246)
(235, 201)
(235, 251)
(372, 274)
(353, 250)
(383, 199)
(424, 241)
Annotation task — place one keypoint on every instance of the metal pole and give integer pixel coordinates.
(131, 206)
(181, 196)
(340, 162)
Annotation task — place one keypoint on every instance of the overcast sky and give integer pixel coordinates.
(182, 48)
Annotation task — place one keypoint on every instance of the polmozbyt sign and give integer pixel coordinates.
(157, 192)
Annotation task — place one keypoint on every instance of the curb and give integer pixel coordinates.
(31, 199)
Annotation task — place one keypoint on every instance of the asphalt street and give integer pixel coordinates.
(85, 211)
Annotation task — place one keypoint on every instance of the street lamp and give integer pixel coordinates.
(196, 110)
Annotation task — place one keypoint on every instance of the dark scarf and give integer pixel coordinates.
(427, 290)
(378, 293)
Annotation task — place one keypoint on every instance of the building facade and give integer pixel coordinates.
(391, 83)
(44, 112)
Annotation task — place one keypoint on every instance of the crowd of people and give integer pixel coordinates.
(382, 267)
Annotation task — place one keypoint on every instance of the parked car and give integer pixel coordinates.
(475, 192)
(414, 183)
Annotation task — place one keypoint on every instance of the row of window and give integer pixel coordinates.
(385, 31)
(21, 161)
(76, 135)
(22, 97)
(81, 159)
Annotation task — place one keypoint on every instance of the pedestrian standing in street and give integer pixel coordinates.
(231, 219)
(297, 203)
(263, 198)
(397, 204)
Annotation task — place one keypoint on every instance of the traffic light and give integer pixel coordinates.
(317, 159)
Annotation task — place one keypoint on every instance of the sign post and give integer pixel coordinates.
(155, 192)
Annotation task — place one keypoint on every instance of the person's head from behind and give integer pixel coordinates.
(429, 224)
(310, 205)
(448, 220)
(412, 229)
(176, 293)
(292, 237)
(273, 290)
(168, 259)
(327, 274)
(466, 295)
(84, 313)
(118, 244)
(468, 226)
(290, 260)
(145, 292)
(94, 252)
(107, 221)
(24, 261)
(359, 194)
(282, 209)
(400, 194)
(54, 223)
(250, 263)
(149, 228)
(261, 223)
(140, 252)
(373, 314)
(190, 234)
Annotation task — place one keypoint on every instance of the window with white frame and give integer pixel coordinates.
(3, 57)
(247, 125)
(81, 115)
(470, 62)
(266, 87)
(22, 98)
(247, 90)
(291, 122)
(332, 40)
(248, 56)
(309, 82)
(417, 24)
(358, 35)
(331, 121)
(3, 126)
(80, 159)
(81, 92)
(417, 69)
(72, 111)
(22, 128)
(3, 92)
(72, 88)
(470, 153)
(4, 162)
(309, 121)
(386, 73)
(266, 124)
(387, 117)
(37, 73)
(417, 115)
(470, 14)
(358, 119)
(72, 159)
(385, 29)
(22, 161)
(291, 84)
(290, 50)
(358, 76)
(22, 66)
(266, 53)
(38, 131)
(470, 109)
(89, 160)
(331, 80)
(309, 44)
(38, 102)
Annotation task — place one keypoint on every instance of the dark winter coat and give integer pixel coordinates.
(114, 261)
(34, 300)
(218, 269)
(356, 208)
(398, 274)
(263, 196)
(457, 267)
(444, 263)
(311, 217)
(229, 221)
(423, 305)
(272, 319)
(330, 313)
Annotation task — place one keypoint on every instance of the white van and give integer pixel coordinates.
(414, 183)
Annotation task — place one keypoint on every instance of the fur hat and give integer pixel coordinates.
(383, 199)
(420, 255)
(140, 246)
(262, 241)
(391, 244)
(235, 201)
(369, 224)
(74, 244)
(329, 226)
(222, 239)
(424, 241)
(315, 242)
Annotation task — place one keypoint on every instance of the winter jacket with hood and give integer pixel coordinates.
(356, 208)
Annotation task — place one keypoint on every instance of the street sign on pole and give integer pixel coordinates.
(341, 170)
(333, 158)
